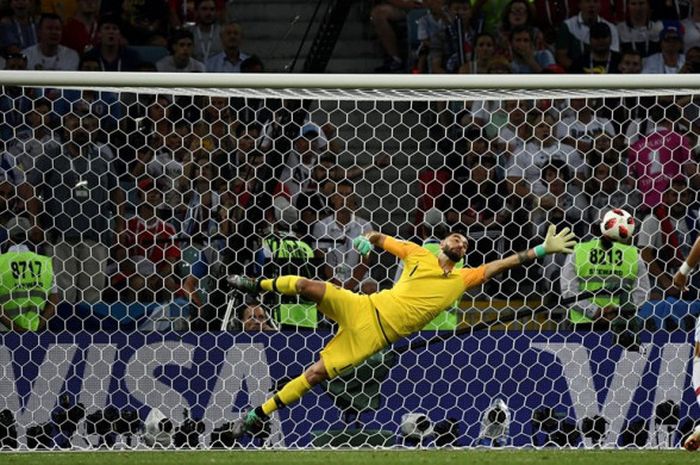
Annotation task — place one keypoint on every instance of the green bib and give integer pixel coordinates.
(597, 267)
(25, 282)
(291, 255)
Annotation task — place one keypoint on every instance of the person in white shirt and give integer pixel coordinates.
(181, 44)
(48, 54)
(671, 59)
(206, 31)
(228, 61)
(344, 265)
(638, 31)
(574, 36)
(691, 27)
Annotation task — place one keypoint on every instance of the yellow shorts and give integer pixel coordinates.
(359, 334)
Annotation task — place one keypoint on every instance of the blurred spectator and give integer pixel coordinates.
(206, 31)
(490, 12)
(551, 14)
(180, 44)
(254, 318)
(19, 28)
(656, 158)
(599, 59)
(670, 59)
(48, 54)
(344, 265)
(630, 62)
(80, 31)
(582, 126)
(430, 27)
(512, 135)
(147, 257)
(81, 199)
(517, 14)
(230, 59)
(691, 38)
(383, 15)
(454, 58)
(526, 58)
(484, 48)
(560, 201)
(111, 53)
(15, 101)
(667, 234)
(479, 199)
(692, 61)
(605, 188)
(29, 274)
(17, 197)
(201, 225)
(574, 36)
(639, 32)
(145, 22)
(34, 137)
(243, 207)
(539, 151)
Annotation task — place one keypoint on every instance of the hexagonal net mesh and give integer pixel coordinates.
(125, 212)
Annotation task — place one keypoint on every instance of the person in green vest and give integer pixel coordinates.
(284, 252)
(604, 264)
(28, 292)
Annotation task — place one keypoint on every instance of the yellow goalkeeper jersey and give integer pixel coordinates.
(423, 291)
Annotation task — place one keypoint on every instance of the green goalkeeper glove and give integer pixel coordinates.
(362, 244)
(561, 242)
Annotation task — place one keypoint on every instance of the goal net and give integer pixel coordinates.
(145, 192)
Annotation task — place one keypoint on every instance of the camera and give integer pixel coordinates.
(65, 418)
(40, 436)
(8, 430)
(557, 429)
(187, 434)
(111, 422)
(594, 428)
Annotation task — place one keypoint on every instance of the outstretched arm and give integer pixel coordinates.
(367, 241)
(680, 280)
(561, 242)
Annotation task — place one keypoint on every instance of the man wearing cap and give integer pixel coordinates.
(28, 292)
(600, 58)
(671, 59)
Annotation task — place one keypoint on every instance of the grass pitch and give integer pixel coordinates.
(400, 457)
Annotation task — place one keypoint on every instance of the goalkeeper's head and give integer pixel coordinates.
(454, 246)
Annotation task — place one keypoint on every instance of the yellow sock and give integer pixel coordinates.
(290, 393)
(286, 285)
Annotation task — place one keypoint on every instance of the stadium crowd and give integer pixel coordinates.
(152, 200)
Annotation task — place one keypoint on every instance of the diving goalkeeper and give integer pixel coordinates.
(369, 323)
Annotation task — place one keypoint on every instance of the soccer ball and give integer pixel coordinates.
(617, 225)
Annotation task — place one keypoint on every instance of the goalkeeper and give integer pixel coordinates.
(368, 323)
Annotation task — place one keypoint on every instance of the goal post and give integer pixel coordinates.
(146, 190)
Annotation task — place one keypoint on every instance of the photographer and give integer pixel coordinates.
(607, 263)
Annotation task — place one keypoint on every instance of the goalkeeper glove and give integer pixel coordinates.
(362, 244)
(561, 242)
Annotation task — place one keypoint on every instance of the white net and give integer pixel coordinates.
(145, 200)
